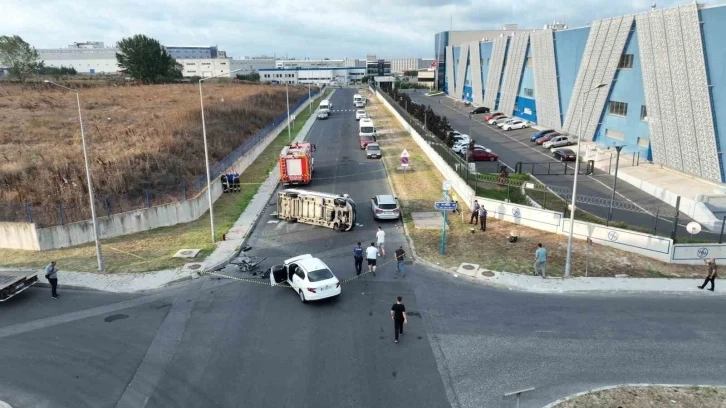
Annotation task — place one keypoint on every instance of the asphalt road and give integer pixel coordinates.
(515, 146)
(218, 342)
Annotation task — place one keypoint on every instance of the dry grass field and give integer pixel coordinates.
(139, 138)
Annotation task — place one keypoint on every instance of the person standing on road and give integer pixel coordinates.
(711, 274)
(381, 239)
(400, 256)
(475, 213)
(398, 314)
(540, 260)
(371, 256)
(358, 257)
(483, 218)
(51, 275)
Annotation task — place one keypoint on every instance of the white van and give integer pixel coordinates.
(326, 105)
(357, 98)
(366, 127)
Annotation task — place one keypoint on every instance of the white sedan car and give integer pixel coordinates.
(514, 124)
(558, 141)
(308, 276)
(498, 120)
(360, 114)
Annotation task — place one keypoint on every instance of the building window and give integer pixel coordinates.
(643, 142)
(614, 134)
(529, 92)
(626, 61)
(618, 108)
(643, 113)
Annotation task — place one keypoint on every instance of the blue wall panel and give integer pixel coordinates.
(569, 46)
(485, 50)
(628, 88)
(526, 109)
(467, 93)
(714, 32)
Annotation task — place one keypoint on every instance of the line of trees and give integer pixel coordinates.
(438, 125)
(252, 77)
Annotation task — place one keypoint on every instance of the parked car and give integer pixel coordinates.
(514, 124)
(309, 277)
(459, 147)
(501, 119)
(547, 138)
(385, 207)
(481, 109)
(373, 151)
(480, 153)
(558, 141)
(360, 114)
(564, 155)
(461, 139)
(323, 114)
(493, 116)
(453, 133)
(539, 134)
(365, 140)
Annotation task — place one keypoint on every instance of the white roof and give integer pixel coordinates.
(307, 262)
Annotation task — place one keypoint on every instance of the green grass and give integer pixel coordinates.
(153, 250)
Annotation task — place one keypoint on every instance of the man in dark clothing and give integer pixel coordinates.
(51, 275)
(483, 218)
(711, 274)
(398, 314)
(400, 256)
(358, 256)
(475, 213)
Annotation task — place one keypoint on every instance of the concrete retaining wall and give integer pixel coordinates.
(694, 254)
(27, 236)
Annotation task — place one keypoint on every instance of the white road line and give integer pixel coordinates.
(547, 156)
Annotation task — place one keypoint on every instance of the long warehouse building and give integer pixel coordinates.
(652, 82)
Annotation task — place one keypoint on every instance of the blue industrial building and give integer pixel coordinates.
(653, 82)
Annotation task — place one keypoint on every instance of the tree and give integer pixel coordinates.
(43, 70)
(252, 77)
(144, 58)
(19, 56)
(410, 73)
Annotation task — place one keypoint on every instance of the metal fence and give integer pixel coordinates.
(60, 214)
(525, 189)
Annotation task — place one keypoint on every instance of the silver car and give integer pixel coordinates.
(385, 207)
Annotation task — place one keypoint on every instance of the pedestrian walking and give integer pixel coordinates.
(51, 273)
(540, 260)
(452, 199)
(475, 213)
(381, 240)
(371, 256)
(358, 257)
(400, 256)
(711, 274)
(398, 314)
(483, 218)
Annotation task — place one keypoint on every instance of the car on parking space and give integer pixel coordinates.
(373, 151)
(499, 120)
(360, 114)
(459, 147)
(323, 114)
(480, 153)
(541, 133)
(557, 141)
(453, 133)
(385, 207)
(493, 116)
(464, 148)
(461, 138)
(514, 124)
(547, 138)
(481, 109)
(564, 155)
(365, 140)
(308, 276)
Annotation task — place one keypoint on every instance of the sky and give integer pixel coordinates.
(294, 28)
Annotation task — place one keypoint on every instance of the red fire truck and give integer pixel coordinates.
(297, 163)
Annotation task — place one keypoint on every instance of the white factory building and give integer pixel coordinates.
(254, 64)
(86, 57)
(320, 63)
(401, 65)
(313, 75)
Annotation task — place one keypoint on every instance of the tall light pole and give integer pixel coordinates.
(615, 183)
(206, 149)
(568, 261)
(99, 255)
(287, 99)
(310, 103)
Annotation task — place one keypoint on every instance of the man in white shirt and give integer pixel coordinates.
(381, 239)
(371, 255)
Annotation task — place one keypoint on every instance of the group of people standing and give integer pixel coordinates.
(375, 250)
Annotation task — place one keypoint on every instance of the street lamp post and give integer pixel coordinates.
(206, 150)
(568, 261)
(287, 99)
(310, 103)
(615, 183)
(99, 255)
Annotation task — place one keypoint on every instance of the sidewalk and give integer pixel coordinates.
(225, 251)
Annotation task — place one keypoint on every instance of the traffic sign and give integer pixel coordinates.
(444, 206)
(404, 158)
(446, 185)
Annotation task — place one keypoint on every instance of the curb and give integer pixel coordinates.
(610, 387)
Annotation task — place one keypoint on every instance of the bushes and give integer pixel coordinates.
(438, 125)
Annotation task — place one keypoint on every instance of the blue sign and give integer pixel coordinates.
(404, 161)
(613, 236)
(444, 206)
(702, 252)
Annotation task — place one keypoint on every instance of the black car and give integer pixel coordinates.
(481, 109)
(565, 155)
